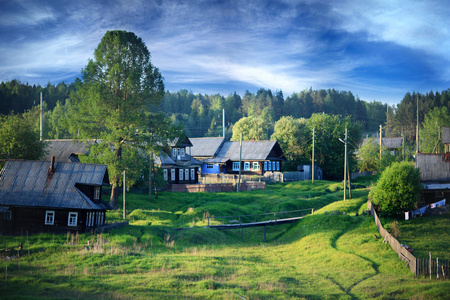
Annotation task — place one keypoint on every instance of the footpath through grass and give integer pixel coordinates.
(331, 256)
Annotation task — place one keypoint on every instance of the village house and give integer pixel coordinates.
(50, 196)
(178, 166)
(435, 172)
(223, 157)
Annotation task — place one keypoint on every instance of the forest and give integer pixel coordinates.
(201, 114)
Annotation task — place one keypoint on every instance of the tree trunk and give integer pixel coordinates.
(114, 194)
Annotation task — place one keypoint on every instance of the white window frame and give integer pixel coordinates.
(246, 166)
(166, 175)
(91, 219)
(49, 217)
(174, 152)
(255, 166)
(186, 174)
(172, 174)
(72, 219)
(192, 174)
(97, 193)
(210, 166)
(183, 152)
(181, 173)
(236, 166)
(8, 215)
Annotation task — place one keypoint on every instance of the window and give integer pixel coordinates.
(8, 215)
(72, 221)
(91, 220)
(182, 152)
(265, 166)
(392, 153)
(235, 166)
(246, 166)
(255, 166)
(96, 193)
(174, 152)
(166, 176)
(192, 174)
(186, 174)
(209, 166)
(269, 164)
(49, 217)
(273, 166)
(172, 174)
(278, 166)
(181, 174)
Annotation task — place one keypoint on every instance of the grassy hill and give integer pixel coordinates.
(325, 255)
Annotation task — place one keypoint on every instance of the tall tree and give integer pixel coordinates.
(432, 130)
(111, 102)
(252, 128)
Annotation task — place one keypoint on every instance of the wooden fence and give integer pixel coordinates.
(215, 187)
(436, 267)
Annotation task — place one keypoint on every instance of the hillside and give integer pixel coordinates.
(325, 255)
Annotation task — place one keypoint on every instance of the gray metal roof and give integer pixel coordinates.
(251, 150)
(390, 143)
(446, 135)
(165, 160)
(66, 150)
(28, 183)
(206, 147)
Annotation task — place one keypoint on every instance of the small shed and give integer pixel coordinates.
(435, 176)
(50, 196)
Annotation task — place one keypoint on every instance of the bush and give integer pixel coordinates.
(397, 190)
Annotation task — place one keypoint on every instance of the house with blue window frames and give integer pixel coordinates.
(222, 157)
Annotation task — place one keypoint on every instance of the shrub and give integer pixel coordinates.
(397, 190)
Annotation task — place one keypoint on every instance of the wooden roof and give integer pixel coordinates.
(433, 167)
(29, 183)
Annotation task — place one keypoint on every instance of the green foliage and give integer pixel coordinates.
(397, 190)
(369, 154)
(293, 137)
(252, 128)
(19, 138)
(329, 151)
(432, 130)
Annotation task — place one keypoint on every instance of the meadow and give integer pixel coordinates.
(323, 256)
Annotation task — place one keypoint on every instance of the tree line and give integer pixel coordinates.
(120, 99)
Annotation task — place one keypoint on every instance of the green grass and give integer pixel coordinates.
(321, 256)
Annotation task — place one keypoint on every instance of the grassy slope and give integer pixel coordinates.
(322, 256)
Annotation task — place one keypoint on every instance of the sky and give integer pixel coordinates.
(379, 50)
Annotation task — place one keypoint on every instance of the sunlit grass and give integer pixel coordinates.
(324, 255)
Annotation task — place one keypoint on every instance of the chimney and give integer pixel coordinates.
(52, 166)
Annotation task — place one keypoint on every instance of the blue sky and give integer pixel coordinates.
(378, 50)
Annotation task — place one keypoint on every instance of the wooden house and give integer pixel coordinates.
(435, 176)
(391, 144)
(38, 196)
(178, 166)
(257, 158)
(207, 149)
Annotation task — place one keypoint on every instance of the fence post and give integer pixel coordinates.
(430, 266)
(437, 268)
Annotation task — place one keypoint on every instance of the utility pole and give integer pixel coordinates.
(223, 123)
(381, 143)
(124, 194)
(312, 177)
(240, 163)
(417, 126)
(345, 164)
(150, 178)
(41, 120)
